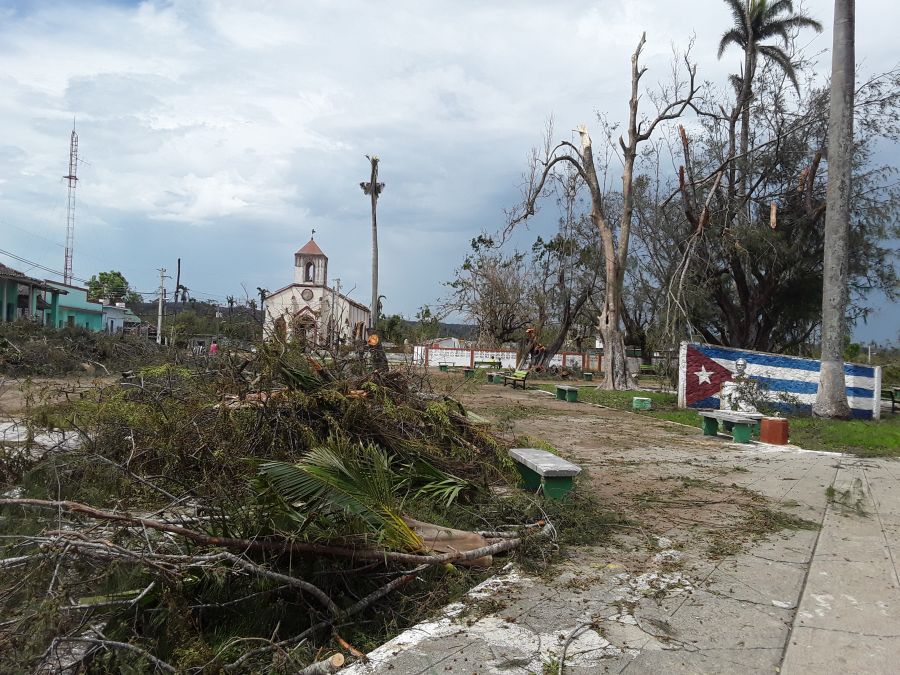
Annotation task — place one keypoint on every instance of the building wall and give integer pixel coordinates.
(113, 319)
(320, 269)
(8, 305)
(327, 309)
(76, 307)
(9, 309)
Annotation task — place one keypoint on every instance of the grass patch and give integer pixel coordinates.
(866, 438)
(665, 405)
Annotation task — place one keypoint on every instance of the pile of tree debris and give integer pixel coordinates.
(28, 349)
(248, 516)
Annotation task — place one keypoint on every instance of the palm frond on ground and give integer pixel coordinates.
(354, 479)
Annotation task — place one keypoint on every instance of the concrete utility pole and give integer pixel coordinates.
(162, 295)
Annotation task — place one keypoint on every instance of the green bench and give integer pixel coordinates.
(648, 370)
(518, 377)
(738, 423)
(444, 367)
(488, 364)
(541, 469)
(566, 393)
(496, 378)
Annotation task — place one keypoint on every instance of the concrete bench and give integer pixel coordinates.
(738, 423)
(518, 377)
(588, 376)
(444, 367)
(539, 468)
(496, 378)
(566, 393)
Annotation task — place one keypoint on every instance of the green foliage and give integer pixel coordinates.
(112, 287)
(353, 479)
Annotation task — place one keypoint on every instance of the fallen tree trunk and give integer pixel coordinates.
(274, 545)
(447, 540)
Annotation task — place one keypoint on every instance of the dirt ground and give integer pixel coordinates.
(664, 478)
(16, 393)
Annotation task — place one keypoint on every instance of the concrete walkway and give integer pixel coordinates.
(802, 601)
(848, 619)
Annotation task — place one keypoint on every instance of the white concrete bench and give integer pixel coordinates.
(541, 468)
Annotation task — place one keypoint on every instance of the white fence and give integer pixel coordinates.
(430, 357)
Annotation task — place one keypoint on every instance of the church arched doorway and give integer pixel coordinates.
(304, 330)
(280, 326)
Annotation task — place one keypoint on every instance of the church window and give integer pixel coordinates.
(310, 272)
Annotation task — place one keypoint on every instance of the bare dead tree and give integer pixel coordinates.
(614, 240)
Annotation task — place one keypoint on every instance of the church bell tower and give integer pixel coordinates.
(310, 265)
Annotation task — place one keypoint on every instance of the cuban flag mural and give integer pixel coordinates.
(789, 383)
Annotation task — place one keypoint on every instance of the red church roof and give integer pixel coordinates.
(310, 248)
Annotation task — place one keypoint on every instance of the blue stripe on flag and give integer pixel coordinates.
(708, 402)
(800, 387)
(776, 361)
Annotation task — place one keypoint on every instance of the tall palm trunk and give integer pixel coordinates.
(747, 96)
(374, 317)
(831, 400)
(373, 189)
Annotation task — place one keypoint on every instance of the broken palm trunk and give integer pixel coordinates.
(440, 539)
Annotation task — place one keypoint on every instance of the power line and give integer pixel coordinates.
(39, 266)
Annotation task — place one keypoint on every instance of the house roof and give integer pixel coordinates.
(310, 248)
(9, 273)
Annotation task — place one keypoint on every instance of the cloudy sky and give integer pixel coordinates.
(224, 132)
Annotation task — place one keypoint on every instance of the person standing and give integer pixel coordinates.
(213, 348)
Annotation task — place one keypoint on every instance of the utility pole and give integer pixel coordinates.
(373, 189)
(162, 295)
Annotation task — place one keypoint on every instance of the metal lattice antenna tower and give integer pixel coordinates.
(70, 207)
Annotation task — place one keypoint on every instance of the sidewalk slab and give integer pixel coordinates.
(848, 619)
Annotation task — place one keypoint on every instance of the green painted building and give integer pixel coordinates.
(72, 308)
(26, 298)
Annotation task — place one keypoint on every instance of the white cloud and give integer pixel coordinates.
(237, 127)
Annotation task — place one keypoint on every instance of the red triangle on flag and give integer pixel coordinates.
(704, 376)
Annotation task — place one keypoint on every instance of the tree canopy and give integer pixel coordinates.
(112, 287)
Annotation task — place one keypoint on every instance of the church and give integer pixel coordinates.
(309, 310)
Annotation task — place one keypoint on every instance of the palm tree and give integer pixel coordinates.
(831, 400)
(756, 21)
(374, 189)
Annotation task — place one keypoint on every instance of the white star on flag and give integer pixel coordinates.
(703, 375)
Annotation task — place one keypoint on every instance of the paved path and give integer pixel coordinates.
(848, 619)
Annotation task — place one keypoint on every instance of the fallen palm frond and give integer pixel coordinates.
(353, 479)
